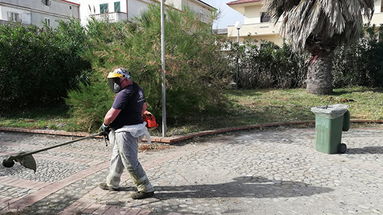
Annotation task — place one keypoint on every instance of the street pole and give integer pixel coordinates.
(238, 35)
(238, 26)
(163, 68)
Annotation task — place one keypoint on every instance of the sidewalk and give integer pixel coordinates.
(274, 171)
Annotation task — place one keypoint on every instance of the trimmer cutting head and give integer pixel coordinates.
(26, 160)
(8, 163)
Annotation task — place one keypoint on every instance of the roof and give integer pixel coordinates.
(206, 4)
(70, 2)
(220, 31)
(242, 2)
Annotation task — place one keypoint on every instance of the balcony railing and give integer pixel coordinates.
(111, 17)
(257, 29)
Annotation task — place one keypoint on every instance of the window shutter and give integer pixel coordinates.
(103, 8)
(117, 7)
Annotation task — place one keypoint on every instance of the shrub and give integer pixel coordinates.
(360, 64)
(38, 66)
(94, 103)
(267, 66)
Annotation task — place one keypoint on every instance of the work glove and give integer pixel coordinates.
(104, 130)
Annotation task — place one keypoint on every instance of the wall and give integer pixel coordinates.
(175, 3)
(378, 5)
(137, 7)
(25, 15)
(34, 11)
(252, 14)
(377, 18)
(272, 38)
(92, 7)
(200, 9)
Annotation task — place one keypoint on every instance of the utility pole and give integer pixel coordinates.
(163, 68)
(238, 27)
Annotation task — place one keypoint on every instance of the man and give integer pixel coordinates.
(124, 124)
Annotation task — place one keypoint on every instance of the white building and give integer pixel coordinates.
(123, 10)
(38, 12)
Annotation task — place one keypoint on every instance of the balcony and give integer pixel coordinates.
(111, 17)
(256, 29)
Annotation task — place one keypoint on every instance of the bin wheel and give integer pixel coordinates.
(342, 148)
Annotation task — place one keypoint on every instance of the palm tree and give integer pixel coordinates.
(319, 26)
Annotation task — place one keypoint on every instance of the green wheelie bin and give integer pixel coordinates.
(330, 121)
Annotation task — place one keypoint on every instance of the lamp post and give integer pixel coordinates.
(238, 27)
(163, 86)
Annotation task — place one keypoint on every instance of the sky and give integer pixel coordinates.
(228, 15)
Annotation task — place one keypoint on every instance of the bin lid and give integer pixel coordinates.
(330, 111)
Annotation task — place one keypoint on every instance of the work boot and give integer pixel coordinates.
(104, 186)
(142, 195)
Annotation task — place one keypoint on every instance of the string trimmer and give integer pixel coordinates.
(28, 161)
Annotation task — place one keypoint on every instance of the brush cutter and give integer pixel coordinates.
(28, 161)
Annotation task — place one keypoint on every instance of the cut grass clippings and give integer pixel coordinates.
(248, 107)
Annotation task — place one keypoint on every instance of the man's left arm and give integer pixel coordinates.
(144, 108)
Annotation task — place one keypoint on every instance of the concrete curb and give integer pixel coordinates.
(175, 139)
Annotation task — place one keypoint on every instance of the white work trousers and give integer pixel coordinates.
(125, 155)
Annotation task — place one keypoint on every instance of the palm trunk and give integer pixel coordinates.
(319, 76)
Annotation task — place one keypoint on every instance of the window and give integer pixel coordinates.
(47, 21)
(46, 2)
(13, 17)
(104, 8)
(381, 7)
(117, 7)
(265, 17)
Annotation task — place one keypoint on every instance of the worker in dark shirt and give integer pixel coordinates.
(123, 124)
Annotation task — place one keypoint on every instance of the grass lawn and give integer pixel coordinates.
(247, 107)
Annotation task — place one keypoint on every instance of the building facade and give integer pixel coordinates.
(257, 24)
(38, 12)
(123, 10)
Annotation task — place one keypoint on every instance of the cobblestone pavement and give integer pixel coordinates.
(274, 171)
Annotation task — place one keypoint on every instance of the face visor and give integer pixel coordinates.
(114, 79)
(114, 84)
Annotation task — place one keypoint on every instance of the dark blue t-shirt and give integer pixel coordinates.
(130, 101)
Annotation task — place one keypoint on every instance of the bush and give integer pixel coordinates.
(94, 103)
(360, 64)
(267, 66)
(195, 74)
(38, 66)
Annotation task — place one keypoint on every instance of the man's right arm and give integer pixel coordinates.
(111, 115)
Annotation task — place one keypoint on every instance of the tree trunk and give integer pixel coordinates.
(319, 76)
